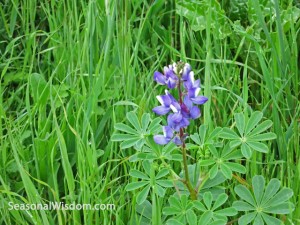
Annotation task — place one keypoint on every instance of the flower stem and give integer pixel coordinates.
(187, 182)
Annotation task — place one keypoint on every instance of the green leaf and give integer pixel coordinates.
(272, 187)
(162, 173)
(227, 212)
(170, 211)
(196, 138)
(202, 132)
(262, 137)
(282, 208)
(246, 219)
(133, 119)
(165, 183)
(139, 144)
(243, 206)
(246, 151)
(205, 218)
(228, 134)
(174, 222)
(174, 202)
(138, 174)
(270, 220)
(147, 166)
(240, 122)
(226, 171)
(222, 198)
(199, 205)
(206, 162)
(124, 137)
(145, 121)
(262, 127)
(226, 150)
(142, 196)
(258, 184)
(191, 217)
(236, 154)
(207, 198)
(218, 222)
(125, 128)
(135, 185)
(213, 172)
(253, 121)
(283, 195)
(236, 167)
(244, 194)
(213, 151)
(160, 191)
(235, 143)
(258, 220)
(129, 143)
(260, 147)
(215, 133)
(154, 126)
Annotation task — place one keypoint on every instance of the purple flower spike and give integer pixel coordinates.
(166, 138)
(182, 110)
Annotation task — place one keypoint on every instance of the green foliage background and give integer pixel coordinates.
(70, 70)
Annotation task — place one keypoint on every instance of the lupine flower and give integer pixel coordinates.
(169, 77)
(168, 102)
(167, 137)
(177, 121)
(182, 112)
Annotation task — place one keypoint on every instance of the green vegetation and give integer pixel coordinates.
(73, 73)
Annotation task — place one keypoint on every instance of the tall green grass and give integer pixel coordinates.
(71, 69)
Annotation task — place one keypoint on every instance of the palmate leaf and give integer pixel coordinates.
(211, 212)
(263, 201)
(203, 139)
(181, 209)
(250, 133)
(222, 161)
(148, 181)
(135, 135)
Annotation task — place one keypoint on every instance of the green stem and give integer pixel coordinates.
(187, 182)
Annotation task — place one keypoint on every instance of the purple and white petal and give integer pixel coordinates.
(177, 140)
(161, 110)
(195, 112)
(170, 96)
(197, 84)
(171, 83)
(199, 100)
(184, 122)
(168, 132)
(164, 100)
(176, 117)
(187, 101)
(161, 140)
(186, 70)
(159, 78)
(193, 92)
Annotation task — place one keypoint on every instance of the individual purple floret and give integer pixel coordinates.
(167, 137)
(169, 77)
(183, 110)
(168, 102)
